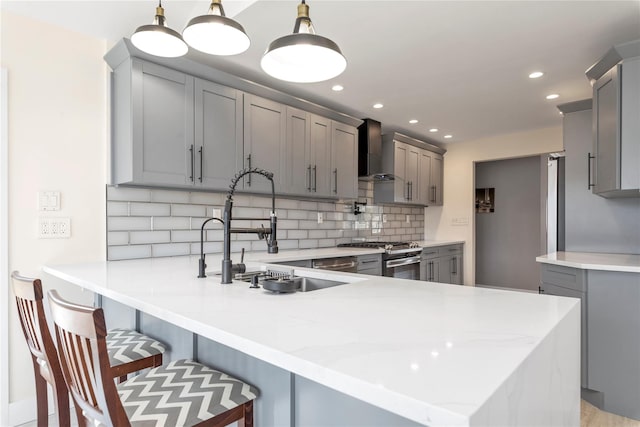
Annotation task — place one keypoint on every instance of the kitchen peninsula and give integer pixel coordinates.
(375, 351)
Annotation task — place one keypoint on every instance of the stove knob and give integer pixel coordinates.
(388, 247)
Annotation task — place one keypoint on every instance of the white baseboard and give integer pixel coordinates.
(25, 411)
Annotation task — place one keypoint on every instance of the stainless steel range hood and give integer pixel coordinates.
(370, 152)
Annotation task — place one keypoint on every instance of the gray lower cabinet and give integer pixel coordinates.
(264, 142)
(370, 264)
(442, 264)
(610, 337)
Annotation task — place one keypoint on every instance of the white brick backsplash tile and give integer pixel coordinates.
(171, 249)
(300, 214)
(307, 244)
(297, 234)
(287, 204)
(335, 233)
(325, 206)
(309, 206)
(262, 202)
(308, 225)
(287, 244)
(171, 223)
(351, 233)
(406, 210)
(129, 194)
(117, 208)
(326, 243)
(317, 234)
(117, 238)
(327, 225)
(178, 236)
(141, 237)
(188, 210)
(209, 248)
(202, 198)
(334, 216)
(241, 212)
(214, 235)
(168, 196)
(260, 246)
(149, 209)
(242, 200)
(237, 247)
(288, 224)
(210, 211)
(196, 224)
(128, 252)
(123, 223)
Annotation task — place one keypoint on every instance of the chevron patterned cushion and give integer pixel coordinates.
(125, 345)
(182, 393)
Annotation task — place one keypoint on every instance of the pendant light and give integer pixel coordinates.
(216, 34)
(158, 39)
(304, 56)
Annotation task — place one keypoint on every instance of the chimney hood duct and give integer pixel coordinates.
(370, 151)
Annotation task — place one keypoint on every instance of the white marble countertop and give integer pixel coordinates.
(629, 263)
(301, 254)
(430, 352)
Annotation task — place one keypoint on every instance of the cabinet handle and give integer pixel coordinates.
(315, 178)
(589, 158)
(309, 178)
(249, 175)
(406, 192)
(410, 190)
(335, 186)
(454, 267)
(193, 161)
(540, 290)
(200, 152)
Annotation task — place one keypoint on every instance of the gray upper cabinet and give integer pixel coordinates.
(153, 112)
(344, 161)
(320, 156)
(436, 193)
(265, 127)
(616, 123)
(417, 170)
(296, 163)
(217, 152)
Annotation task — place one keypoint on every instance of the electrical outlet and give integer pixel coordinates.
(320, 218)
(460, 220)
(54, 228)
(407, 219)
(216, 213)
(384, 217)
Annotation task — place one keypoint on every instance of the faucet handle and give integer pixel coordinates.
(242, 256)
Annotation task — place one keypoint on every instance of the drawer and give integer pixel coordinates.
(371, 271)
(451, 250)
(431, 253)
(369, 261)
(439, 251)
(566, 277)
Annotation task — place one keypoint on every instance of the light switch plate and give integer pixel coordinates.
(460, 220)
(320, 218)
(49, 200)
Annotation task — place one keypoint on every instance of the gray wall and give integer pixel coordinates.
(146, 223)
(508, 240)
(593, 223)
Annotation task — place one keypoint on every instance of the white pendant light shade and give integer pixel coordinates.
(303, 57)
(216, 34)
(158, 39)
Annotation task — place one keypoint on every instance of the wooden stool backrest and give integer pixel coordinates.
(29, 298)
(81, 336)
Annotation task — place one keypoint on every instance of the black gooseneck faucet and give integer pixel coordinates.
(228, 268)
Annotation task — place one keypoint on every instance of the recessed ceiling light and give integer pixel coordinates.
(536, 74)
(337, 88)
(378, 105)
(433, 130)
(413, 121)
(553, 96)
(448, 136)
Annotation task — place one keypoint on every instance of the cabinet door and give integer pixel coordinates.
(606, 103)
(430, 269)
(344, 161)
(320, 156)
(436, 196)
(163, 116)
(411, 173)
(456, 270)
(264, 142)
(297, 174)
(218, 134)
(444, 269)
(424, 177)
(400, 182)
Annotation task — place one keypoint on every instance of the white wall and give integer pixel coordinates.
(459, 187)
(57, 141)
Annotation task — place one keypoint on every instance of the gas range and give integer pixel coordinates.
(390, 248)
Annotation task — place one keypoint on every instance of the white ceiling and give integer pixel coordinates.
(459, 66)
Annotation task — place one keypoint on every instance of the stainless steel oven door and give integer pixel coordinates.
(402, 268)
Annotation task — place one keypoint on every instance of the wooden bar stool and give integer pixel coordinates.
(129, 351)
(182, 393)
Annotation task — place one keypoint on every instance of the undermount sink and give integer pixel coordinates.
(298, 283)
(313, 284)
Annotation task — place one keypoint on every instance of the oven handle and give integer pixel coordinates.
(403, 261)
